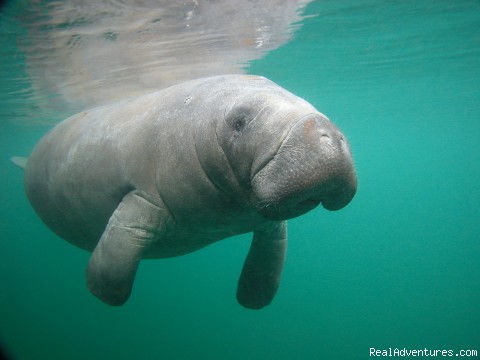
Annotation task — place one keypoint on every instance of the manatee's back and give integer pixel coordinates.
(79, 172)
(72, 181)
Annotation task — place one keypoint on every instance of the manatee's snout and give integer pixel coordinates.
(312, 166)
(340, 183)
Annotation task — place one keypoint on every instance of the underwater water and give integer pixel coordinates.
(399, 267)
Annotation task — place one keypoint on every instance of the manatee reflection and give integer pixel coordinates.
(82, 53)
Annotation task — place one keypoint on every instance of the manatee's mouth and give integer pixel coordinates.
(276, 211)
(289, 209)
(309, 203)
(333, 195)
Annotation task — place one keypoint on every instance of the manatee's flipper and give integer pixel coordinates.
(21, 162)
(133, 226)
(263, 267)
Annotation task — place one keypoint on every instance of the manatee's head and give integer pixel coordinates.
(288, 156)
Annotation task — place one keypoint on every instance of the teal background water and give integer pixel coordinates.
(399, 267)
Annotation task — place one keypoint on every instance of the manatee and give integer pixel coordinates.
(167, 173)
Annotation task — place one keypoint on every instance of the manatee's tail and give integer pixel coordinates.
(21, 162)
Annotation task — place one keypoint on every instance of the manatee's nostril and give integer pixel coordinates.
(324, 137)
(323, 132)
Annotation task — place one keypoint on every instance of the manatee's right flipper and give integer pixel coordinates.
(133, 226)
(263, 267)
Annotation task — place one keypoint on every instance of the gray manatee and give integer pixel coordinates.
(168, 173)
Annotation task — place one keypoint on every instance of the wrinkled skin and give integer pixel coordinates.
(168, 173)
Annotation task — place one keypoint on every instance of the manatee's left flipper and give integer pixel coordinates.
(263, 267)
(134, 225)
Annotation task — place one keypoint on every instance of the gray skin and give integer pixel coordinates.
(168, 173)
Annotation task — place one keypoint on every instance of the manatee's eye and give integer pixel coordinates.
(239, 118)
(239, 124)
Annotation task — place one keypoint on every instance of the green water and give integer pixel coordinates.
(399, 267)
